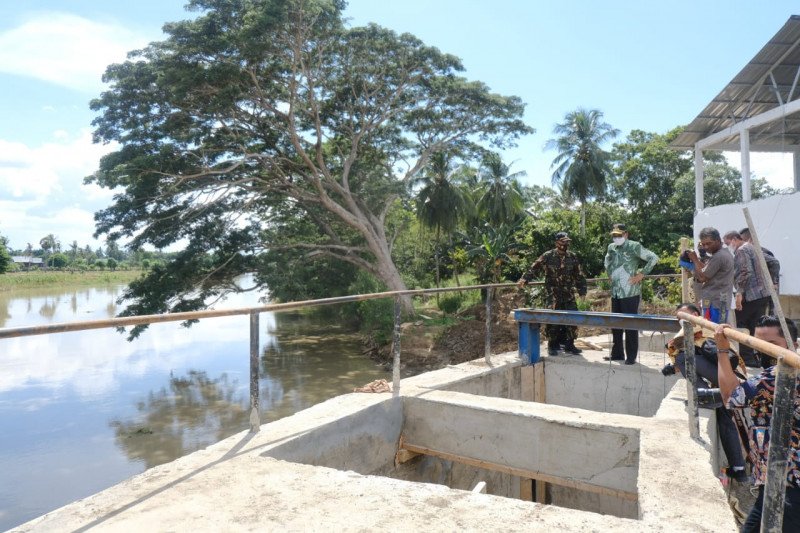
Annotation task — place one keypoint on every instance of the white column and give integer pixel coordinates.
(698, 180)
(744, 146)
(796, 166)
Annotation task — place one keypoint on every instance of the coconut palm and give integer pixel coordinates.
(500, 200)
(582, 166)
(441, 203)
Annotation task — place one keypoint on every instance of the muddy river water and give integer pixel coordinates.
(82, 411)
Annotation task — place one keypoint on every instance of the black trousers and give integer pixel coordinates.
(746, 318)
(791, 512)
(557, 334)
(629, 306)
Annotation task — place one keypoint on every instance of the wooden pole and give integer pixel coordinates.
(255, 418)
(691, 380)
(684, 273)
(782, 409)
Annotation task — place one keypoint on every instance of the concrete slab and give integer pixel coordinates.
(238, 484)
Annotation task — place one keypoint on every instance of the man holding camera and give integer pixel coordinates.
(758, 394)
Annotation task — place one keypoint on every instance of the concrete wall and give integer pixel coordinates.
(776, 220)
(535, 437)
(633, 390)
(363, 440)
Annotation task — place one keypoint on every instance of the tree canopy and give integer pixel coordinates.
(264, 106)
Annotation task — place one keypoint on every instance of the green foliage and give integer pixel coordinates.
(500, 196)
(5, 258)
(57, 260)
(375, 316)
(111, 263)
(451, 303)
(278, 111)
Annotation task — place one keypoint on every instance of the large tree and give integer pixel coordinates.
(582, 167)
(258, 105)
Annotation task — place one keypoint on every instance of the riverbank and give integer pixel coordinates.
(52, 278)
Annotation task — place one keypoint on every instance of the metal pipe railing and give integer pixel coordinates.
(253, 313)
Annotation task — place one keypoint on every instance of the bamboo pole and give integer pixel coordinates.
(684, 273)
(691, 381)
(782, 354)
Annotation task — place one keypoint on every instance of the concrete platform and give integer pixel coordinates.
(327, 467)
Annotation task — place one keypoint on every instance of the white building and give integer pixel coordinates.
(758, 111)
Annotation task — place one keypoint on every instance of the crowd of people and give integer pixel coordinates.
(731, 290)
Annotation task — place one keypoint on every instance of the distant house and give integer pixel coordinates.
(27, 262)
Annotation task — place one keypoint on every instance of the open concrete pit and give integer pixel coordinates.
(552, 445)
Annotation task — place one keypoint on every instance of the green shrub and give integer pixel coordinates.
(451, 303)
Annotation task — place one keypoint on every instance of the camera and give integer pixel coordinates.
(709, 398)
(668, 370)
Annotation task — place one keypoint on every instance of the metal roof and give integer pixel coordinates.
(768, 81)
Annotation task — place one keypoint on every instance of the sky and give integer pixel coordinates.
(645, 65)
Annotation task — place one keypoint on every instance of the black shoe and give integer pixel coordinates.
(609, 358)
(552, 349)
(572, 349)
(737, 475)
(630, 362)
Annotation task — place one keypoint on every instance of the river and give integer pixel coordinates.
(82, 411)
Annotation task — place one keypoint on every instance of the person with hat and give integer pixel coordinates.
(627, 262)
(562, 276)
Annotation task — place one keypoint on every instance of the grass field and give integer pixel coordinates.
(37, 278)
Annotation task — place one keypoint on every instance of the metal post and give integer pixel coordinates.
(255, 419)
(744, 147)
(487, 347)
(691, 380)
(396, 348)
(699, 177)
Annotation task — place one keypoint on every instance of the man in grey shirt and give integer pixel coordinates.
(716, 275)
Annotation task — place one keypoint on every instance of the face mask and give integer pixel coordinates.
(562, 246)
(619, 241)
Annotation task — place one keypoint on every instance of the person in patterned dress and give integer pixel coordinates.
(758, 394)
(563, 276)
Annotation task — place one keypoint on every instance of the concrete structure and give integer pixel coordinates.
(371, 461)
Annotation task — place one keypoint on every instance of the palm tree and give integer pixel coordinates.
(501, 200)
(440, 202)
(582, 166)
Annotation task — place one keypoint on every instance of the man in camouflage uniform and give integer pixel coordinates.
(562, 276)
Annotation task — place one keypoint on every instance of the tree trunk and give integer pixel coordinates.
(583, 219)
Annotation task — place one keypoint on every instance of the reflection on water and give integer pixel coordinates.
(192, 413)
(84, 410)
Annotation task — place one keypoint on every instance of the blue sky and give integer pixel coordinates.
(646, 65)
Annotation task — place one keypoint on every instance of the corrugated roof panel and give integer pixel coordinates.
(751, 93)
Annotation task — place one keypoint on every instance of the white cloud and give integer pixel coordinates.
(775, 167)
(65, 49)
(42, 190)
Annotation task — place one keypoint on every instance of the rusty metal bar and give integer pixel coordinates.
(691, 380)
(255, 419)
(398, 309)
(487, 345)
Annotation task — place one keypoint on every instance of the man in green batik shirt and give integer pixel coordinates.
(627, 262)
